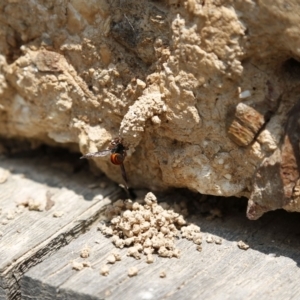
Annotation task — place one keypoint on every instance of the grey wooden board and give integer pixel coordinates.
(31, 236)
(268, 270)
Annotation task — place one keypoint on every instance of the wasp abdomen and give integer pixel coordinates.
(117, 158)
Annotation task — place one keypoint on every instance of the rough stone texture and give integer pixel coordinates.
(204, 93)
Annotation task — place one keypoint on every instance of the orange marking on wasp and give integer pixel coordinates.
(117, 153)
(116, 158)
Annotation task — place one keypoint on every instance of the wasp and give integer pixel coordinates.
(117, 152)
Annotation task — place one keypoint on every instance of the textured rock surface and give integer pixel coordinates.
(204, 93)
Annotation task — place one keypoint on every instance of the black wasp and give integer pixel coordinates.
(117, 153)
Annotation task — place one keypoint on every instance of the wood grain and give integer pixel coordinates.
(28, 236)
(37, 251)
(268, 270)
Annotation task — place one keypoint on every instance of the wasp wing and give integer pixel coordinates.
(96, 154)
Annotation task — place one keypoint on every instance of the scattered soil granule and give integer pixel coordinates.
(242, 245)
(148, 228)
(85, 252)
(133, 271)
(104, 270)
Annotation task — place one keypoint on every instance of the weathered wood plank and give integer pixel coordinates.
(28, 236)
(268, 270)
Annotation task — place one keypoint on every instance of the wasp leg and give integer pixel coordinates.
(131, 195)
(124, 175)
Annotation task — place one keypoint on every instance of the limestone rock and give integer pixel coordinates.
(204, 93)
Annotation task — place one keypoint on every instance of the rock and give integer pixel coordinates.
(203, 93)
